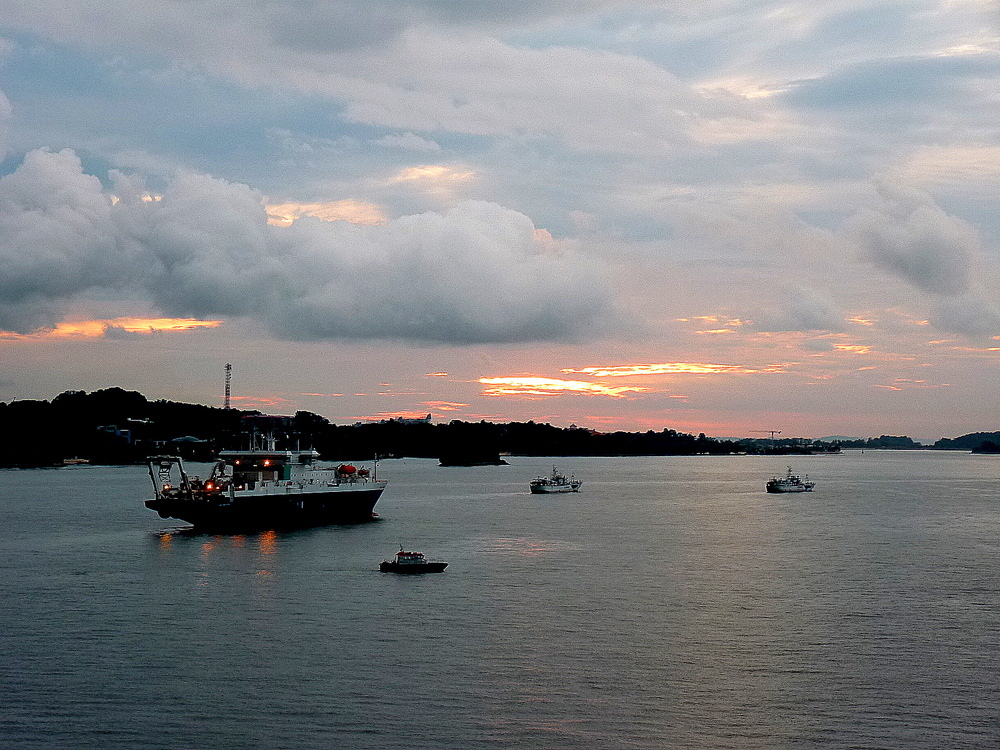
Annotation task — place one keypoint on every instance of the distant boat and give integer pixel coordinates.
(555, 482)
(790, 483)
(411, 562)
(75, 461)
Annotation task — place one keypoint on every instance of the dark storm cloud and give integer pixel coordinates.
(475, 273)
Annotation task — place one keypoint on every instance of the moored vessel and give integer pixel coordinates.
(255, 490)
(555, 482)
(791, 482)
(410, 563)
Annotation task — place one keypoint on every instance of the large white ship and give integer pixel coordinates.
(252, 490)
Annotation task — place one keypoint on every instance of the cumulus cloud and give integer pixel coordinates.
(57, 238)
(474, 273)
(908, 235)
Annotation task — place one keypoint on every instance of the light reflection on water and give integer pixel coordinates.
(671, 603)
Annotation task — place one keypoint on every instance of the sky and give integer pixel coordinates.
(729, 216)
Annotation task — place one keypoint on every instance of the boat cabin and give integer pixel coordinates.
(249, 467)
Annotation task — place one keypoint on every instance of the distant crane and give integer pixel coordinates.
(772, 433)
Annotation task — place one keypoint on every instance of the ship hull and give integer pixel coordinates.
(780, 488)
(264, 512)
(412, 569)
(547, 489)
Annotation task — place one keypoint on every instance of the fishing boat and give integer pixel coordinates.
(263, 489)
(791, 482)
(410, 563)
(555, 482)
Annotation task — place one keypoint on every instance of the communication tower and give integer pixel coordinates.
(229, 380)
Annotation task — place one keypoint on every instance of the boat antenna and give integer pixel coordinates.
(229, 380)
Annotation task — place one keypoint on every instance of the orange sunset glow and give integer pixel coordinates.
(539, 387)
(89, 329)
(673, 368)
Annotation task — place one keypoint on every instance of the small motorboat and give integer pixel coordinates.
(411, 562)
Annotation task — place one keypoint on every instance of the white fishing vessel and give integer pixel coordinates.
(555, 482)
(791, 482)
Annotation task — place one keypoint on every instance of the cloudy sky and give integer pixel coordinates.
(724, 216)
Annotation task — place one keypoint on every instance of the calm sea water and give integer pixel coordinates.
(670, 604)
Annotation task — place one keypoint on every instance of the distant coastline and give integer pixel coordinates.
(116, 426)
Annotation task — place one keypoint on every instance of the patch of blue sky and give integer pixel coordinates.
(881, 24)
(910, 79)
(148, 104)
(33, 66)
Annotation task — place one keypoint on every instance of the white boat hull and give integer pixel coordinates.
(547, 489)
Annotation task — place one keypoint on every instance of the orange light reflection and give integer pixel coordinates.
(267, 543)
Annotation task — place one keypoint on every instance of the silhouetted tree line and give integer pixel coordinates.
(110, 426)
(115, 426)
(976, 442)
(895, 442)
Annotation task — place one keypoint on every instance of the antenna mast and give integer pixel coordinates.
(229, 380)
